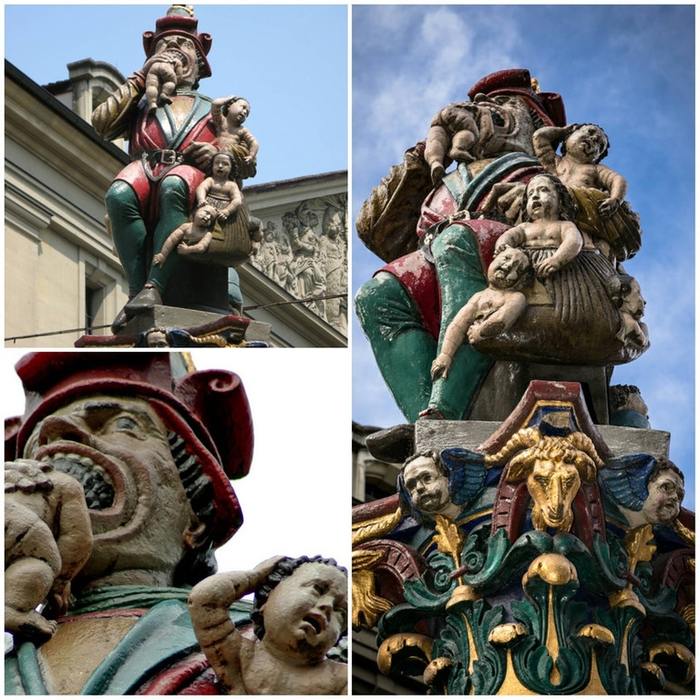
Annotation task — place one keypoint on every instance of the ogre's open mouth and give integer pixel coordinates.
(96, 482)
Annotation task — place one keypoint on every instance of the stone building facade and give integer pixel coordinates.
(61, 270)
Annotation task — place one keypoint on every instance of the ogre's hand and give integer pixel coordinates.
(505, 199)
(200, 153)
(27, 476)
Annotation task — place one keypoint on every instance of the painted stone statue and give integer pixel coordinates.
(540, 559)
(300, 613)
(117, 493)
(174, 134)
(150, 450)
(440, 232)
(539, 563)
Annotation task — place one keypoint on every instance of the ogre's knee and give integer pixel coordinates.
(383, 305)
(453, 238)
(119, 197)
(173, 193)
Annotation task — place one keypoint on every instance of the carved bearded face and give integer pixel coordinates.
(633, 302)
(117, 448)
(663, 504)
(553, 485)
(427, 485)
(510, 123)
(305, 613)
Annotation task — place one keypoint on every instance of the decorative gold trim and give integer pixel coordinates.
(473, 653)
(448, 538)
(461, 594)
(507, 633)
(365, 603)
(376, 527)
(397, 643)
(546, 402)
(189, 362)
(435, 668)
(595, 684)
(512, 685)
(553, 569)
(685, 533)
(597, 632)
(679, 651)
(688, 615)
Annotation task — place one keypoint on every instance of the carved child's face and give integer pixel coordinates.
(204, 216)
(542, 199)
(587, 144)
(427, 485)
(238, 112)
(221, 166)
(306, 613)
(507, 268)
(663, 504)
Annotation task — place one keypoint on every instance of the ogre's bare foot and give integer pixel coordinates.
(30, 625)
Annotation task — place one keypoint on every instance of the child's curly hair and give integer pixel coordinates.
(228, 103)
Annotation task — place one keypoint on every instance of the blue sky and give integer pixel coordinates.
(289, 61)
(628, 68)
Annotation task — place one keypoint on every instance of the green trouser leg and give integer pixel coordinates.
(173, 210)
(460, 276)
(404, 350)
(129, 233)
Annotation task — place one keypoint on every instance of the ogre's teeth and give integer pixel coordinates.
(95, 480)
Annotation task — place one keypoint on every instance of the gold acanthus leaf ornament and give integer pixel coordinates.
(448, 538)
(376, 527)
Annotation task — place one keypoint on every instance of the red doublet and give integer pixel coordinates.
(147, 135)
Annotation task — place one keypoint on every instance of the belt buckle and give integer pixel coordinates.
(168, 156)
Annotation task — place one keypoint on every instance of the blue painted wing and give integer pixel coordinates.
(466, 473)
(625, 479)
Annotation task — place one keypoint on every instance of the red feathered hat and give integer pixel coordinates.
(208, 409)
(180, 19)
(517, 81)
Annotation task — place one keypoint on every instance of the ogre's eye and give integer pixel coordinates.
(124, 424)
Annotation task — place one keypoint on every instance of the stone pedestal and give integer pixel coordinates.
(507, 381)
(169, 326)
(433, 434)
